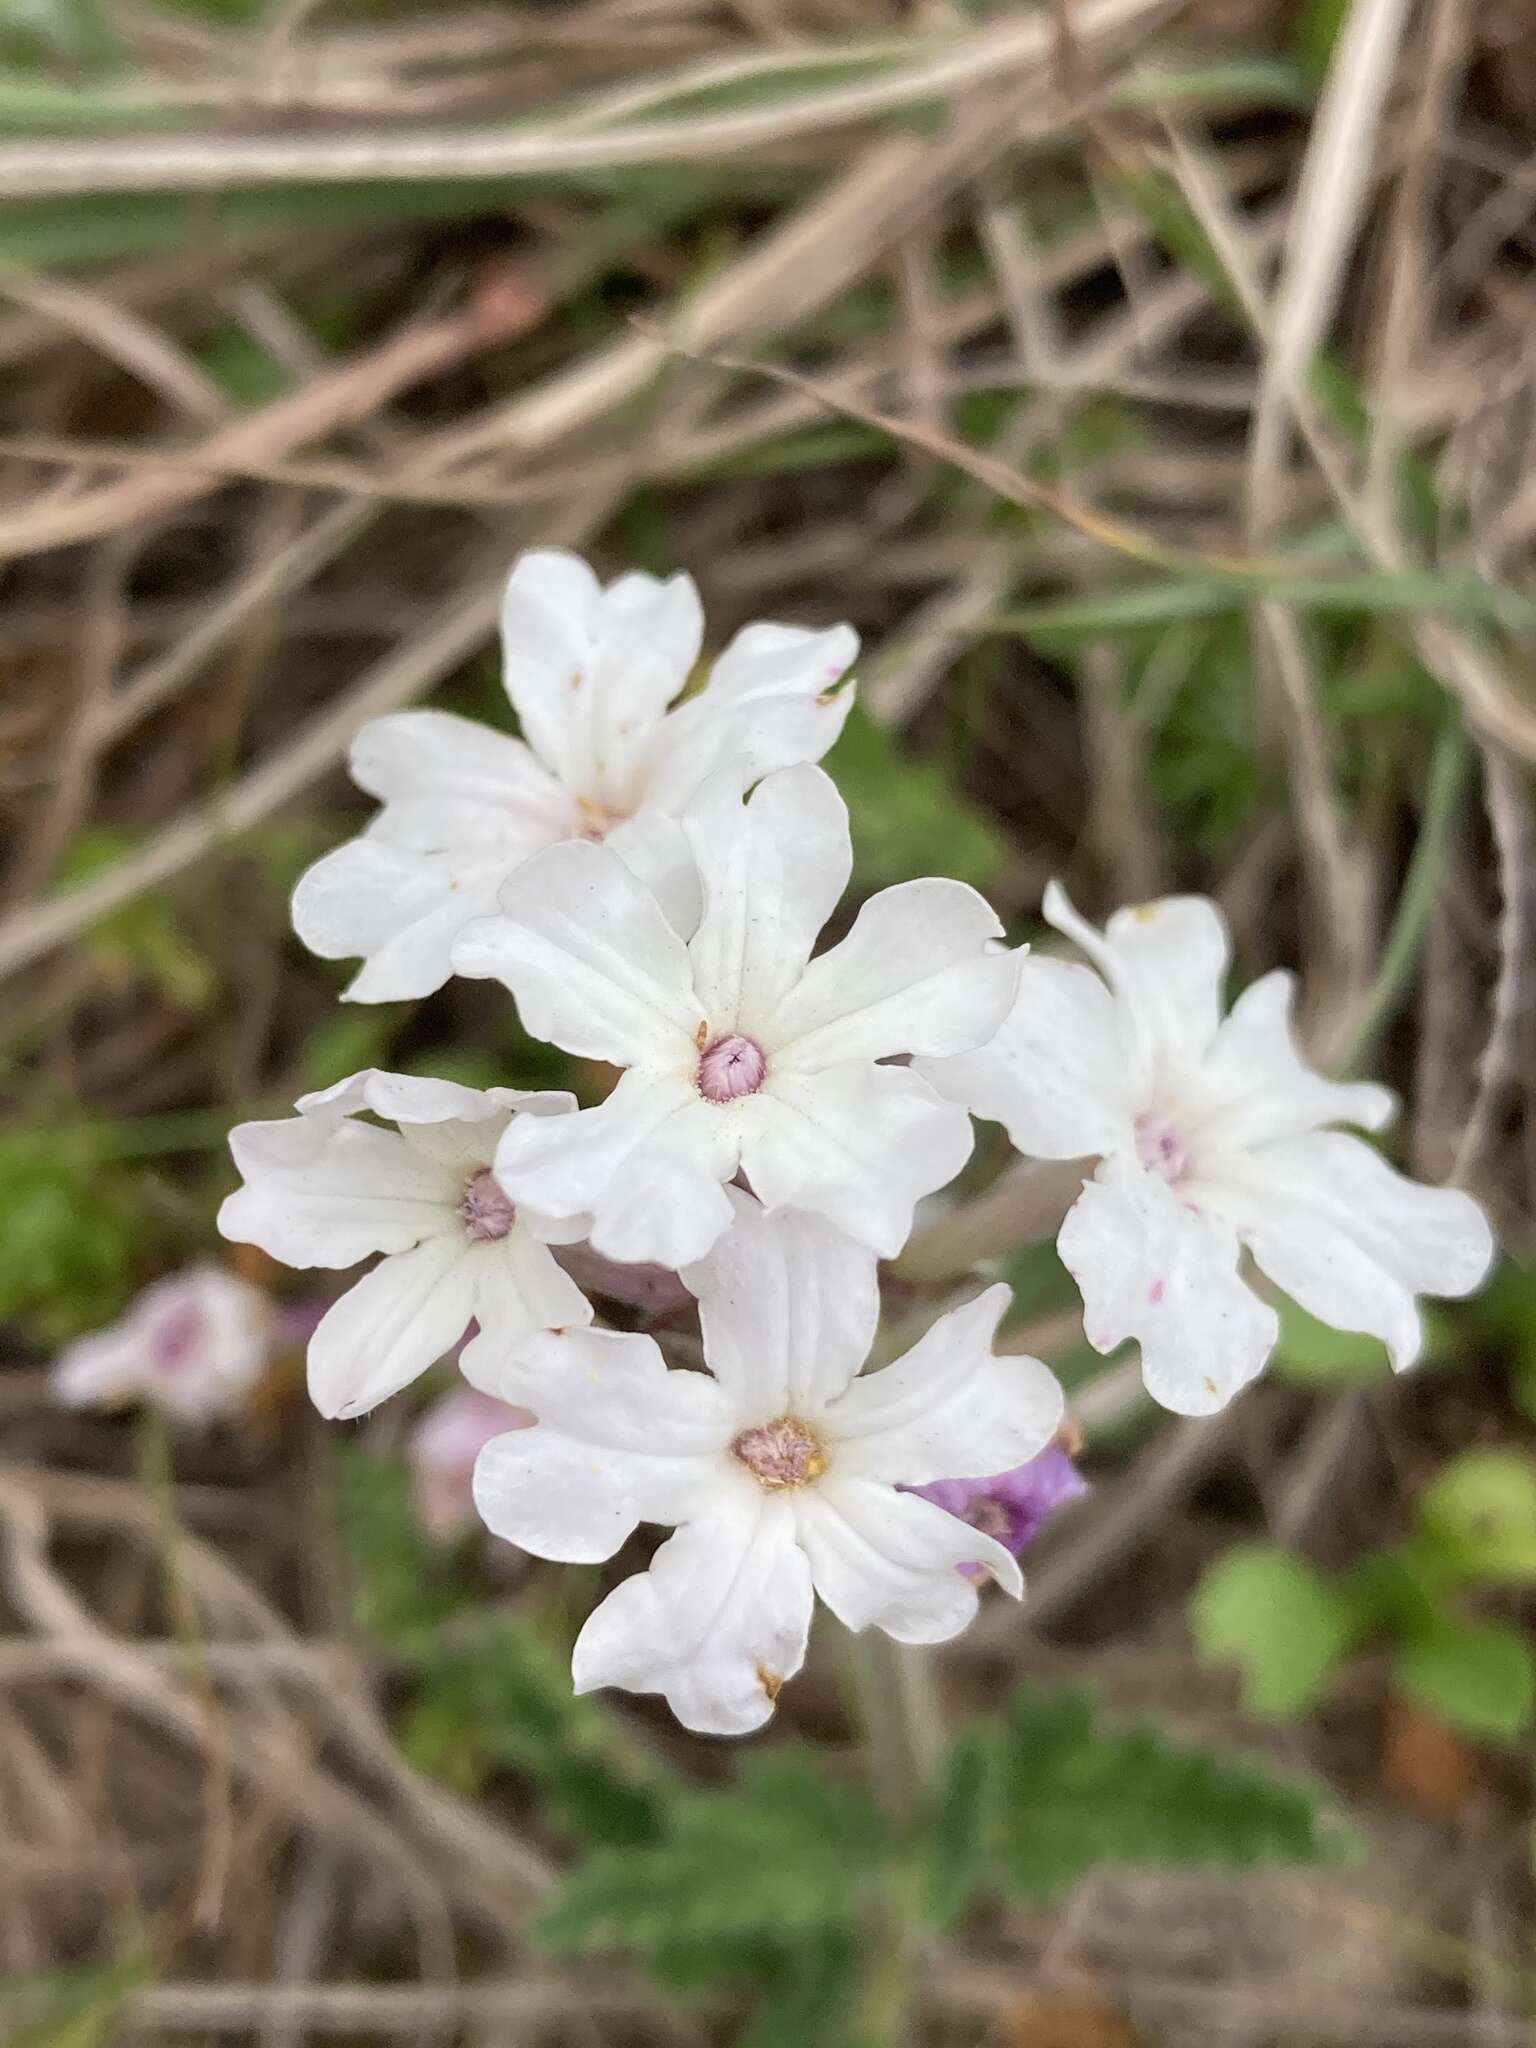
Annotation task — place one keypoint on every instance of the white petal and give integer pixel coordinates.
(913, 976)
(891, 1560)
(549, 633)
(1353, 1241)
(391, 1325)
(772, 700)
(716, 1625)
(1167, 962)
(441, 1121)
(646, 1165)
(471, 770)
(655, 848)
(411, 1098)
(856, 1143)
(1056, 1076)
(589, 955)
(619, 1441)
(1262, 1089)
(561, 1230)
(323, 1191)
(590, 671)
(102, 1369)
(433, 754)
(767, 660)
(518, 1289)
(772, 869)
(442, 1448)
(652, 635)
(948, 1409)
(788, 1307)
(397, 909)
(1150, 1267)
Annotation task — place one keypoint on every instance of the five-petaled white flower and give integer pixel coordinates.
(590, 672)
(322, 1189)
(1212, 1134)
(780, 1469)
(194, 1345)
(742, 1052)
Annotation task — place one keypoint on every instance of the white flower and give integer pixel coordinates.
(1213, 1134)
(322, 1189)
(590, 673)
(780, 1472)
(194, 1345)
(742, 1052)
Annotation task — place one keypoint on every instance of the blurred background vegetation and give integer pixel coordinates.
(1161, 409)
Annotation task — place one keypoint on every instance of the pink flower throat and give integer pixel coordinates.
(486, 1210)
(780, 1454)
(1162, 1149)
(730, 1067)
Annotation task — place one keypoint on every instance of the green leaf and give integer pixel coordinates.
(785, 1855)
(1279, 1620)
(1314, 1354)
(1477, 1675)
(956, 1857)
(908, 818)
(1388, 1592)
(1078, 1795)
(1165, 600)
(1477, 1519)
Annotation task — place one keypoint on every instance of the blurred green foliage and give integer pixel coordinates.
(146, 942)
(79, 1232)
(907, 816)
(1076, 1793)
(81, 2007)
(776, 1882)
(490, 1683)
(1288, 1625)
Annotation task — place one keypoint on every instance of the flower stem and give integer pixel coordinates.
(893, 1695)
(1027, 1201)
(897, 1706)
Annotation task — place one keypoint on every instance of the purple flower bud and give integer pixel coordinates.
(1011, 1506)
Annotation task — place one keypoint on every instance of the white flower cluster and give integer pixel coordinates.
(650, 884)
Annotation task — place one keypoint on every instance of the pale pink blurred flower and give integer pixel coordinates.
(442, 1450)
(194, 1344)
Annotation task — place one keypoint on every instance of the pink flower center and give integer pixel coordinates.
(487, 1212)
(780, 1454)
(597, 821)
(730, 1067)
(176, 1337)
(1162, 1150)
